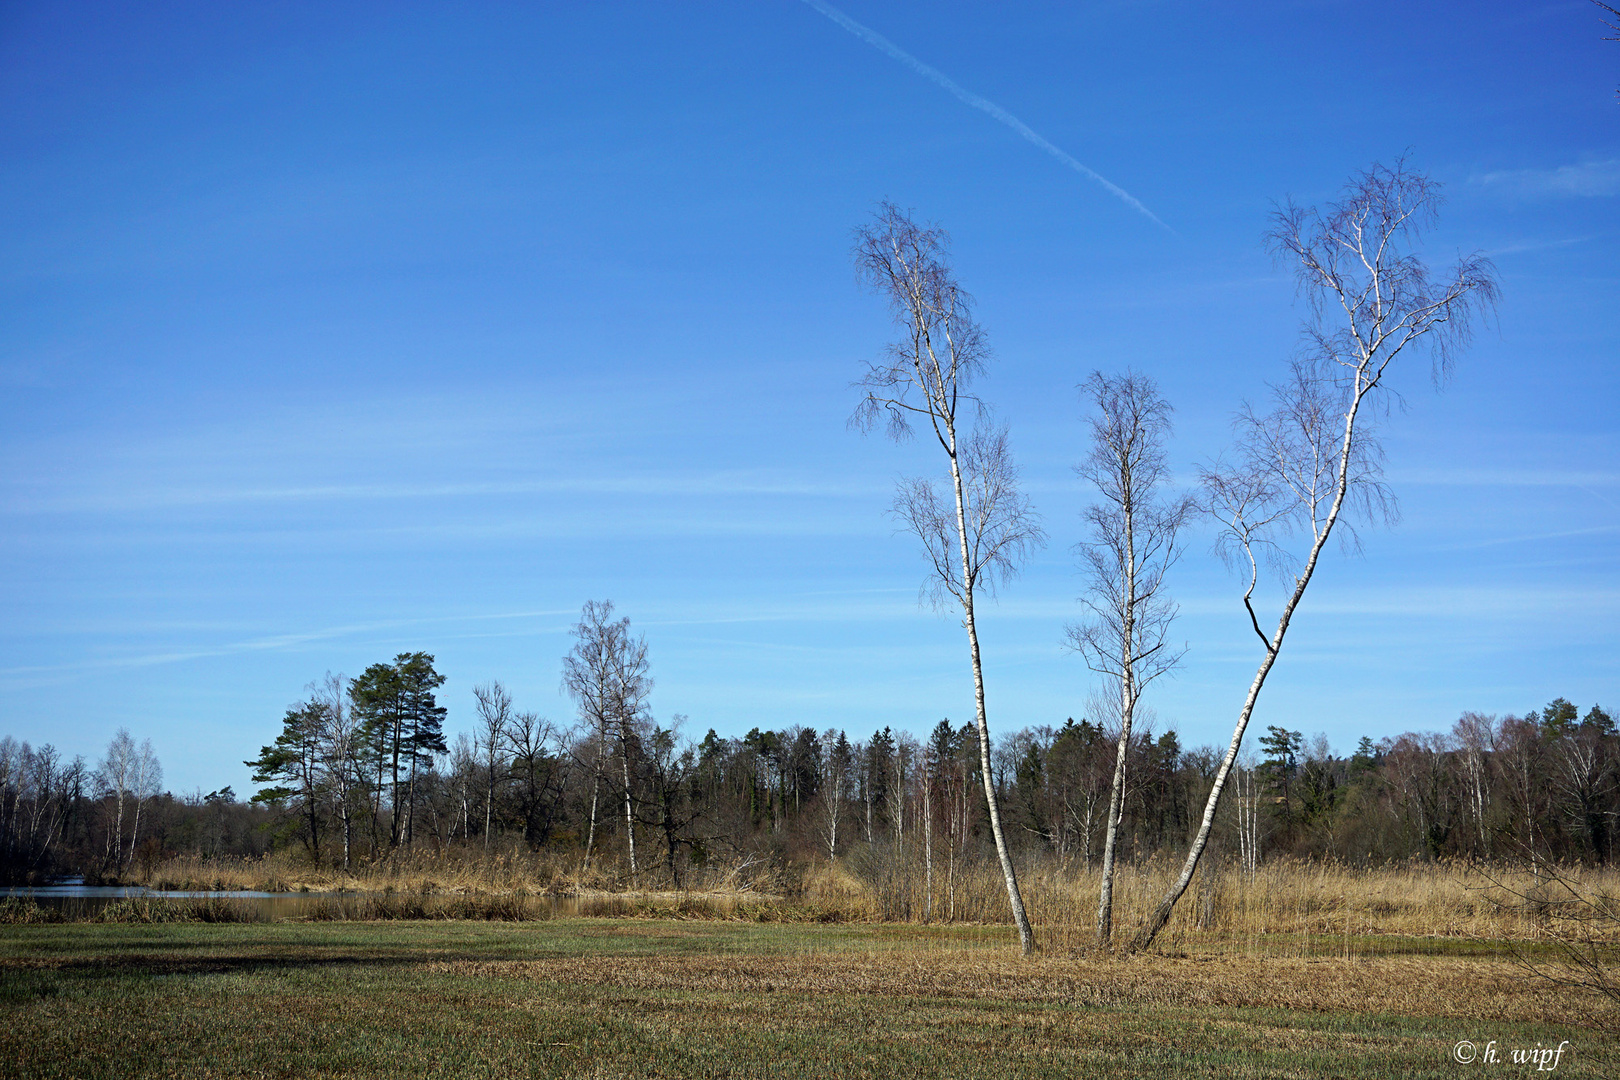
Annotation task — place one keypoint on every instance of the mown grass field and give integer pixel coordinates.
(624, 997)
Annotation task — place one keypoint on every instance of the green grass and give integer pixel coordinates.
(663, 998)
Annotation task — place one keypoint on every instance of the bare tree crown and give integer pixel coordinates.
(1135, 530)
(1002, 526)
(1313, 460)
(607, 671)
(929, 370)
(1370, 296)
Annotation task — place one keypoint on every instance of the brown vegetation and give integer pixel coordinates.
(1284, 907)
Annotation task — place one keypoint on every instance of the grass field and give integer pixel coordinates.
(626, 997)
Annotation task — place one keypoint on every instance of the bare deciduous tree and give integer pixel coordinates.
(837, 763)
(1475, 737)
(606, 673)
(1134, 538)
(538, 778)
(146, 782)
(339, 752)
(977, 534)
(1300, 467)
(494, 714)
(116, 777)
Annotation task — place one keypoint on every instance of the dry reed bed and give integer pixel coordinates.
(1282, 898)
(451, 870)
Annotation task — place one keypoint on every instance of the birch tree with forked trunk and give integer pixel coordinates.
(1134, 540)
(979, 529)
(1314, 460)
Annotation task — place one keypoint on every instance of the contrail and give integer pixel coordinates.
(878, 41)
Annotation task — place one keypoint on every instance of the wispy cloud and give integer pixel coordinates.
(1525, 246)
(1530, 538)
(989, 108)
(48, 673)
(134, 497)
(1506, 477)
(1586, 180)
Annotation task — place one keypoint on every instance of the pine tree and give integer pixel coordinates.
(291, 768)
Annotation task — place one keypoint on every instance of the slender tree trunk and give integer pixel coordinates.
(344, 815)
(376, 798)
(899, 810)
(1161, 914)
(1127, 712)
(1026, 935)
(1091, 812)
(835, 806)
(135, 831)
(410, 806)
(596, 793)
(1116, 801)
(928, 843)
(866, 787)
(629, 815)
(119, 849)
(393, 795)
(489, 801)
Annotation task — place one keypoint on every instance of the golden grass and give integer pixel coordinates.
(449, 870)
(1317, 900)
(1323, 908)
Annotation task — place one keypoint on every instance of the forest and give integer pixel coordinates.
(363, 772)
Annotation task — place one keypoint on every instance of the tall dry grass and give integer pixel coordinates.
(1296, 907)
(1288, 907)
(461, 870)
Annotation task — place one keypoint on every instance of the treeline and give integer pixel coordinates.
(362, 770)
(62, 816)
(615, 787)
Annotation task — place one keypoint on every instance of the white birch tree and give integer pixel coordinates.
(979, 530)
(338, 750)
(1300, 468)
(1134, 540)
(607, 675)
(146, 781)
(115, 778)
(494, 714)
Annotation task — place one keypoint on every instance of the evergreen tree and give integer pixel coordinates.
(377, 701)
(401, 729)
(1559, 715)
(290, 767)
(423, 723)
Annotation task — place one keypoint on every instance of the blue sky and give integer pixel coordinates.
(332, 331)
